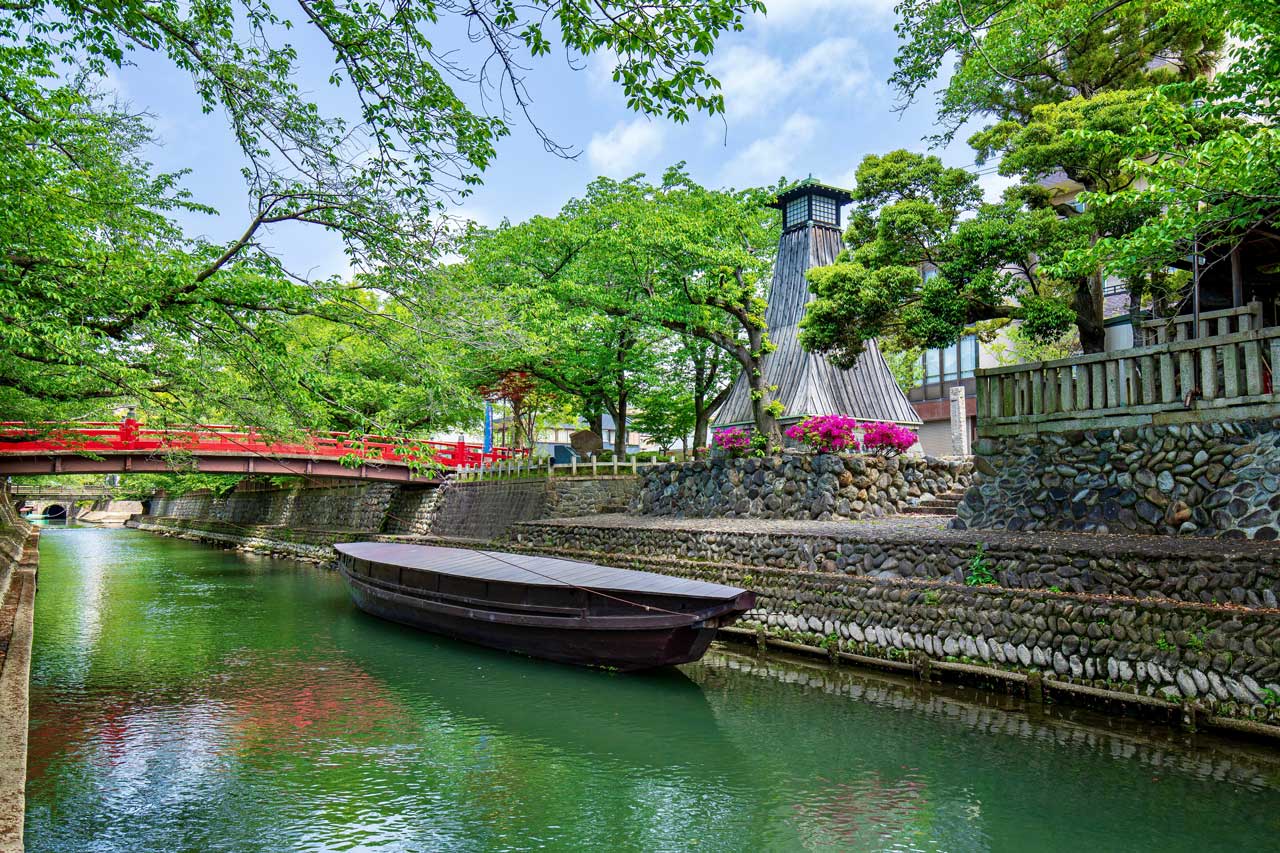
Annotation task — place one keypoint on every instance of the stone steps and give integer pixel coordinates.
(944, 504)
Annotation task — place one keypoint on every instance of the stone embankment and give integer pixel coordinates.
(19, 543)
(304, 522)
(1218, 480)
(909, 594)
(798, 485)
(1177, 629)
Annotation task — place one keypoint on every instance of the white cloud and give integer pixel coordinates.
(754, 82)
(626, 148)
(599, 69)
(773, 156)
(793, 14)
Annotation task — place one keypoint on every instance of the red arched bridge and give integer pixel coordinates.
(97, 448)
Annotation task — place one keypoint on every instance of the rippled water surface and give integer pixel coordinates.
(191, 699)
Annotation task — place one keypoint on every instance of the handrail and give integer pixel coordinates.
(130, 436)
(1225, 321)
(1136, 385)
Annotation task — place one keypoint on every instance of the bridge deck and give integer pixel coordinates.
(128, 447)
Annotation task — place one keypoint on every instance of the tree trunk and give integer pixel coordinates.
(595, 421)
(1088, 307)
(620, 431)
(761, 397)
(701, 426)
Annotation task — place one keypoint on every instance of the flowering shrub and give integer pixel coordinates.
(739, 441)
(826, 433)
(838, 433)
(733, 440)
(887, 439)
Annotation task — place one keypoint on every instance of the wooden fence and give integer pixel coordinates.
(1247, 318)
(1221, 377)
(520, 468)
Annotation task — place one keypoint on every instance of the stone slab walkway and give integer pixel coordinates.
(917, 529)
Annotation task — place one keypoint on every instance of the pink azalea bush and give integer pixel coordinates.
(826, 433)
(733, 440)
(887, 439)
(838, 433)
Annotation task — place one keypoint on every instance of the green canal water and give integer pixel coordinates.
(190, 699)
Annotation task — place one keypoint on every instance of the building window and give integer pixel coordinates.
(797, 211)
(953, 363)
(824, 209)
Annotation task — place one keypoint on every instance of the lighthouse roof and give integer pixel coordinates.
(811, 186)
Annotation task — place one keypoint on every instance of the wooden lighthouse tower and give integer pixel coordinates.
(807, 383)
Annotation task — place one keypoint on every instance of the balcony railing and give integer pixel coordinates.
(1246, 318)
(1222, 377)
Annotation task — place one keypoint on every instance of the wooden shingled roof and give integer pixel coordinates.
(807, 383)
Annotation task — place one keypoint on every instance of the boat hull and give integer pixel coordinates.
(613, 636)
(625, 650)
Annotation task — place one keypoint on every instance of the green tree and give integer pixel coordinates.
(1211, 187)
(1013, 55)
(106, 300)
(598, 286)
(1065, 81)
(692, 381)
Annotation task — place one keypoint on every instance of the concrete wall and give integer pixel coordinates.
(1217, 480)
(797, 485)
(935, 438)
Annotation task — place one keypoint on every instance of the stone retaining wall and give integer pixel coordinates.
(361, 506)
(1225, 657)
(797, 485)
(1243, 573)
(1217, 480)
(473, 509)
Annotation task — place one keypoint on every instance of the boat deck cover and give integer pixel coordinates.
(528, 569)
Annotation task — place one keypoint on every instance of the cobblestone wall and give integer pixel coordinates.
(1217, 480)
(578, 496)
(797, 485)
(1226, 657)
(1246, 574)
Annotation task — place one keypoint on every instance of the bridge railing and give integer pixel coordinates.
(132, 437)
(589, 467)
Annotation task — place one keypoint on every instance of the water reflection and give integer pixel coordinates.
(599, 715)
(226, 703)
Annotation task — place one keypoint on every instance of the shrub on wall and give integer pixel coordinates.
(734, 441)
(887, 439)
(739, 441)
(838, 433)
(826, 433)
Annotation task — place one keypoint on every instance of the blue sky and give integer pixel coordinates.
(805, 91)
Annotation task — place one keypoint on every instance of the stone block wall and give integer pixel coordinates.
(797, 485)
(17, 538)
(361, 506)
(1225, 657)
(1217, 480)
(574, 497)
(1247, 574)
(473, 509)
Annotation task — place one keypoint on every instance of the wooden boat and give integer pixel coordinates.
(561, 610)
